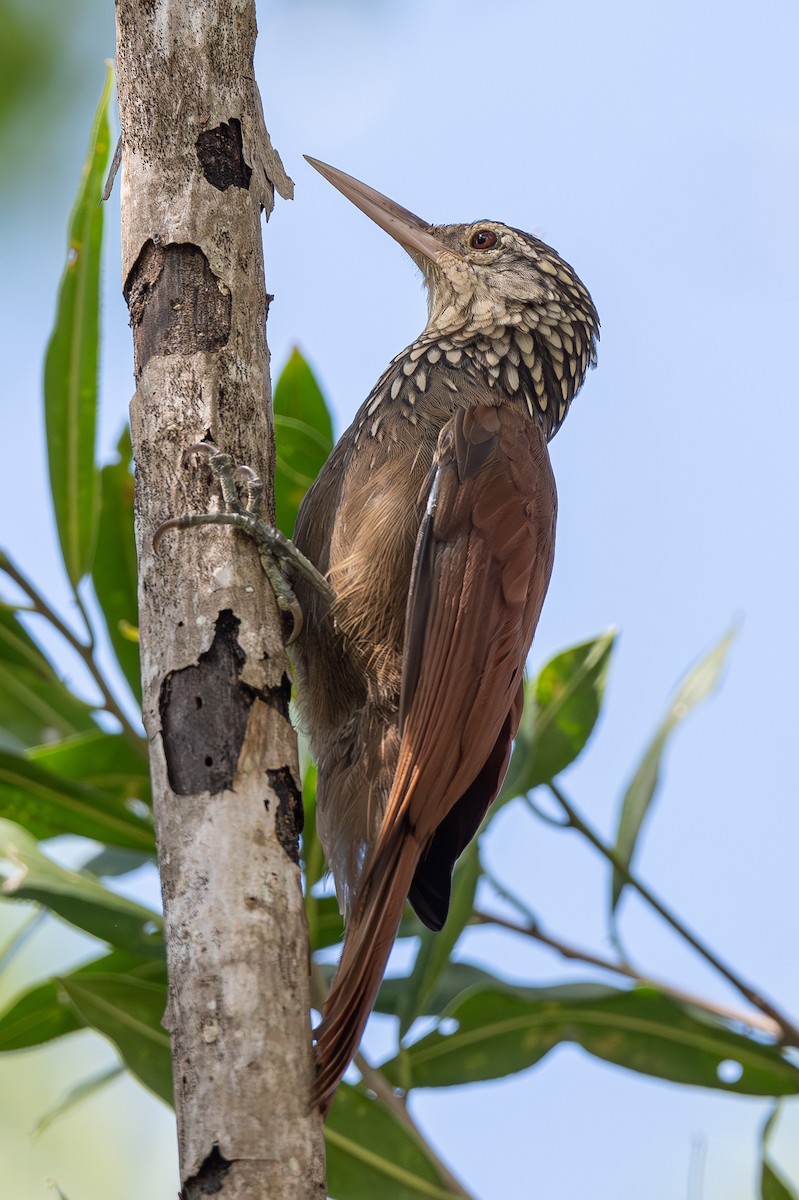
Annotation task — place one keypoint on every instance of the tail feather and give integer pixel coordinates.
(367, 945)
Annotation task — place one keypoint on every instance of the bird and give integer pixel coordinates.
(433, 525)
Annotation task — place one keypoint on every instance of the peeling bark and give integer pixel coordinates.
(289, 817)
(221, 156)
(198, 169)
(176, 303)
(202, 754)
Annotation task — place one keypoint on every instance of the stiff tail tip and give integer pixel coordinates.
(367, 945)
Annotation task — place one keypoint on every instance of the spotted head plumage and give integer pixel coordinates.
(513, 298)
(499, 298)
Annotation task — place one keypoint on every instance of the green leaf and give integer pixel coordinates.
(34, 711)
(435, 949)
(561, 708)
(110, 862)
(47, 804)
(454, 980)
(35, 706)
(311, 848)
(44, 1013)
(303, 437)
(17, 647)
(369, 1154)
(773, 1185)
(79, 1092)
(75, 897)
(128, 1011)
(325, 922)
(40, 1015)
(327, 927)
(697, 686)
(114, 572)
(102, 760)
(21, 935)
(71, 363)
(492, 1032)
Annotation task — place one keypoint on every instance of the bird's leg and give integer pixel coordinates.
(241, 492)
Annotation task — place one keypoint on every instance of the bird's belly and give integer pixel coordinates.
(371, 555)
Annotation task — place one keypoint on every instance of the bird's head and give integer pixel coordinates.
(486, 278)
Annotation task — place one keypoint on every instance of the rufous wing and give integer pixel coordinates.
(481, 568)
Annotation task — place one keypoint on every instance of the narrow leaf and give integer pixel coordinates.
(71, 363)
(328, 925)
(103, 760)
(78, 1092)
(75, 897)
(17, 647)
(34, 710)
(454, 980)
(561, 708)
(435, 949)
(325, 922)
(698, 684)
(44, 1013)
(489, 1033)
(313, 858)
(114, 568)
(303, 437)
(369, 1154)
(19, 939)
(35, 706)
(40, 1015)
(110, 863)
(47, 804)
(128, 1011)
(773, 1184)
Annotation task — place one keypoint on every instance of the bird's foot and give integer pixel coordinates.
(241, 492)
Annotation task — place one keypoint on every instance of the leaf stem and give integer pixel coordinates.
(376, 1081)
(85, 650)
(788, 1029)
(578, 954)
(20, 937)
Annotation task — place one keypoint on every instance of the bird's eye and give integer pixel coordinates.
(484, 239)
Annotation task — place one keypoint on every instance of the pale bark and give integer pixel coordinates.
(197, 170)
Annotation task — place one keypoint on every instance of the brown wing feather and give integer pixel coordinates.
(430, 890)
(484, 556)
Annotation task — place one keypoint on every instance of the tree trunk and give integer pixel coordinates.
(198, 169)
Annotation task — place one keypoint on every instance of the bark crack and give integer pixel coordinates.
(289, 818)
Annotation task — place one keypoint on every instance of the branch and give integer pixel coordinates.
(85, 650)
(788, 1029)
(575, 953)
(396, 1104)
(376, 1081)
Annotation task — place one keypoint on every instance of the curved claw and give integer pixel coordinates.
(172, 523)
(295, 609)
(242, 471)
(241, 492)
(206, 449)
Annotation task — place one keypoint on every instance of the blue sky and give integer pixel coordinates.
(656, 147)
